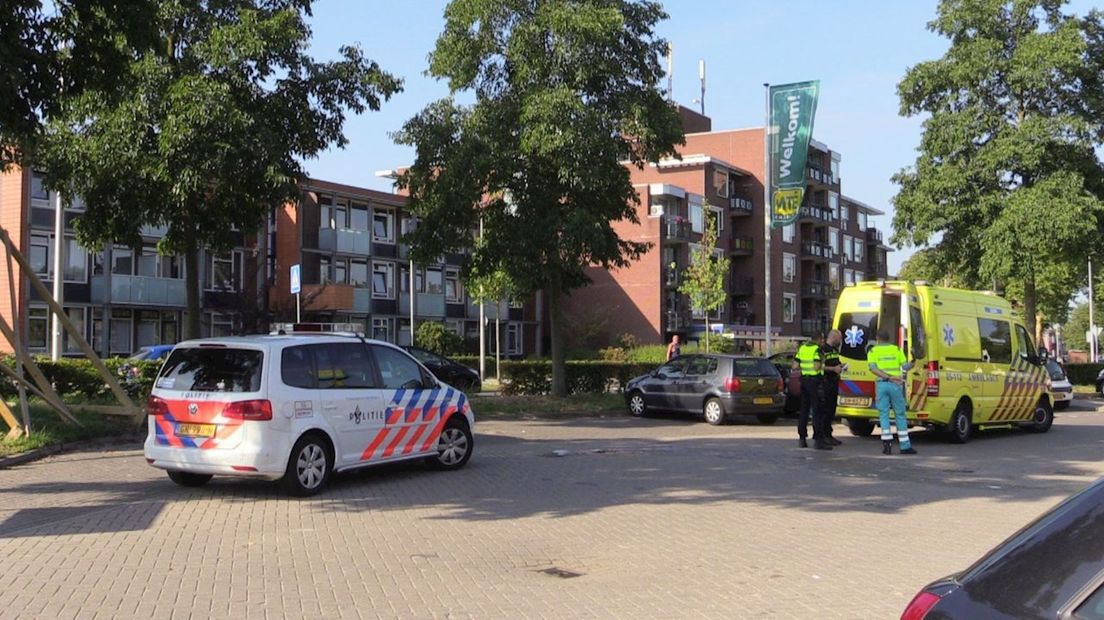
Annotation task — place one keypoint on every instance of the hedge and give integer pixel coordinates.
(1083, 374)
(535, 376)
(76, 379)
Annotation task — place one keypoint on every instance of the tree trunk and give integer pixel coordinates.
(1030, 303)
(191, 285)
(707, 332)
(555, 316)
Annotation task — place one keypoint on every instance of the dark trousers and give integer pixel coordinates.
(810, 397)
(827, 409)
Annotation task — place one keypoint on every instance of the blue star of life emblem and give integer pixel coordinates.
(853, 337)
(948, 334)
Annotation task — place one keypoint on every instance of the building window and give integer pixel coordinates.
(833, 205)
(862, 220)
(224, 272)
(696, 216)
(169, 326)
(788, 232)
(381, 329)
(454, 291)
(222, 325)
(383, 284)
(40, 254)
(358, 273)
(513, 339)
(834, 275)
(835, 170)
(147, 262)
(789, 267)
(383, 224)
(845, 215)
(848, 276)
(358, 216)
(38, 190)
(38, 327)
(859, 250)
(720, 183)
(859, 276)
(149, 329)
(434, 283)
(716, 214)
(847, 247)
(789, 307)
(833, 241)
(172, 267)
(121, 326)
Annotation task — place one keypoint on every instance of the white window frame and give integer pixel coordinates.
(834, 204)
(859, 250)
(789, 233)
(441, 273)
(452, 274)
(390, 223)
(222, 320)
(118, 320)
(847, 247)
(234, 258)
(834, 274)
(790, 297)
(697, 214)
(722, 188)
(718, 216)
(42, 241)
(38, 314)
(382, 324)
(848, 276)
(834, 241)
(792, 260)
(388, 269)
(864, 220)
(518, 345)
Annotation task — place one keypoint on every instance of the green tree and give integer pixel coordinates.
(927, 264)
(435, 337)
(705, 277)
(565, 92)
(1006, 178)
(1074, 329)
(205, 129)
(495, 287)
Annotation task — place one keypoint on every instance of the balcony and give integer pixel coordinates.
(427, 304)
(741, 246)
(742, 286)
(875, 236)
(819, 175)
(677, 321)
(672, 276)
(345, 241)
(816, 251)
(140, 290)
(740, 206)
(678, 229)
(815, 289)
(815, 214)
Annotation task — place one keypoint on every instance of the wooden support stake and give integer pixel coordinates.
(74, 333)
(17, 345)
(46, 391)
(51, 399)
(6, 414)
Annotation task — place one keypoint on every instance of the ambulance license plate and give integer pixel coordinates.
(763, 401)
(196, 430)
(854, 401)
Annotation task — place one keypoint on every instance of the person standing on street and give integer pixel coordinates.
(829, 385)
(888, 362)
(810, 362)
(674, 349)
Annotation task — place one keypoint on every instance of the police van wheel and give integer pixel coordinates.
(1043, 417)
(714, 412)
(309, 466)
(961, 425)
(860, 428)
(637, 407)
(188, 479)
(454, 447)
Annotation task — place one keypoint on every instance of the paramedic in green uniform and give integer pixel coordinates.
(888, 363)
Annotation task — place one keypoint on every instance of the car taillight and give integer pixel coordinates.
(248, 410)
(732, 384)
(933, 378)
(920, 606)
(156, 406)
(781, 385)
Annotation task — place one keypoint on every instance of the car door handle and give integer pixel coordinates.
(329, 407)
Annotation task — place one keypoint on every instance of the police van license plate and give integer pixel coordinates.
(854, 401)
(196, 430)
(763, 401)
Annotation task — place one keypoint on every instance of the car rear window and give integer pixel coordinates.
(202, 369)
(753, 368)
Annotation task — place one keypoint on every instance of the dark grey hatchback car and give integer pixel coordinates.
(1052, 568)
(714, 385)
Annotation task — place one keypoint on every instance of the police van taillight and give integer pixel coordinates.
(248, 410)
(933, 378)
(156, 406)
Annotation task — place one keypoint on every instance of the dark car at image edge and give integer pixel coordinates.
(451, 372)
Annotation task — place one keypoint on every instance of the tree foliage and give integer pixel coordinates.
(205, 128)
(565, 92)
(704, 282)
(1007, 178)
(435, 337)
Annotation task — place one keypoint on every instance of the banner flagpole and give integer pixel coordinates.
(767, 218)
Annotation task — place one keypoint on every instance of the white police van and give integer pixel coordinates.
(296, 408)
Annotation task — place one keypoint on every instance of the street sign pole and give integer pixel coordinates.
(296, 287)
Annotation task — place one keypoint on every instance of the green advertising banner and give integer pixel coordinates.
(792, 109)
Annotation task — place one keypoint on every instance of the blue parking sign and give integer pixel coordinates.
(296, 281)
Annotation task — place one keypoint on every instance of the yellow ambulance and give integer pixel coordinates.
(973, 362)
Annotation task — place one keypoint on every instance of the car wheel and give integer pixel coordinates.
(1043, 417)
(188, 479)
(767, 418)
(961, 425)
(860, 428)
(1061, 405)
(637, 407)
(309, 466)
(714, 412)
(454, 447)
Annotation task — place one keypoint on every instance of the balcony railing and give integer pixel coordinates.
(741, 246)
(426, 304)
(672, 276)
(140, 290)
(815, 288)
(817, 214)
(816, 251)
(678, 229)
(874, 236)
(742, 286)
(740, 206)
(345, 241)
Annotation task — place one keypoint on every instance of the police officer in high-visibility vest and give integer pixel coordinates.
(829, 386)
(810, 362)
(888, 363)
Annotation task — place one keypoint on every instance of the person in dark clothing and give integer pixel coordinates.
(829, 385)
(809, 361)
(674, 348)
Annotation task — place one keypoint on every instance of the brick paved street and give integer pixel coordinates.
(659, 518)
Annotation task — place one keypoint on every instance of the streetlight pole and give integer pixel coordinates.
(59, 275)
(1093, 348)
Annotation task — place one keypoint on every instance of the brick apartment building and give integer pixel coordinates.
(831, 244)
(354, 271)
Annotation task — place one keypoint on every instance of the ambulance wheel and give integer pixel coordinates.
(188, 479)
(1043, 417)
(714, 412)
(961, 425)
(454, 447)
(309, 466)
(637, 407)
(860, 428)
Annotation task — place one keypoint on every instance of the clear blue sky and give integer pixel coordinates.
(859, 50)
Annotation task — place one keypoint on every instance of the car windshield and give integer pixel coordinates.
(753, 368)
(1054, 369)
(202, 369)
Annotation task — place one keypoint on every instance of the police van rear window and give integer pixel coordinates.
(212, 370)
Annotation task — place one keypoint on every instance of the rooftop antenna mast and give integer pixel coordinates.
(670, 71)
(701, 76)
